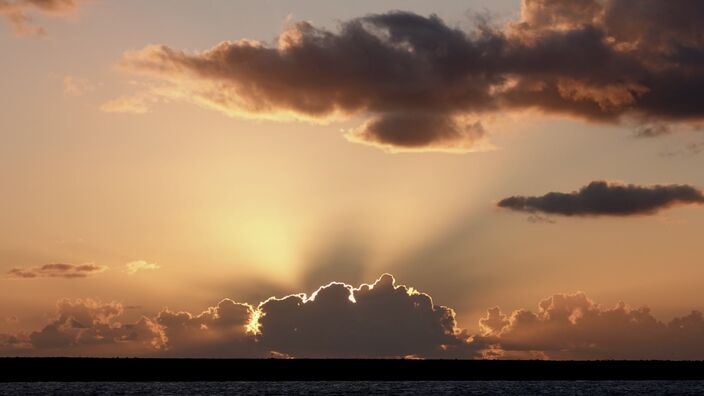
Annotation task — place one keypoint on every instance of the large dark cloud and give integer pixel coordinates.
(424, 84)
(17, 13)
(377, 320)
(600, 198)
(57, 270)
(571, 326)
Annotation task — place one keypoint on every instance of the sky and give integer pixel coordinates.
(479, 179)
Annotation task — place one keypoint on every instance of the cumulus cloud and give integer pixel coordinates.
(571, 326)
(600, 198)
(140, 265)
(426, 85)
(381, 319)
(378, 320)
(337, 320)
(57, 270)
(86, 328)
(18, 13)
(224, 330)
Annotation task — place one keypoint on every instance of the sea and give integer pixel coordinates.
(358, 388)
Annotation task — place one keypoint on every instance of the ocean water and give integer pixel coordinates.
(358, 388)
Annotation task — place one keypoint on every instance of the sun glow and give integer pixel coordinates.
(253, 326)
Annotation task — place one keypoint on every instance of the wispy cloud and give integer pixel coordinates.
(134, 104)
(57, 270)
(140, 265)
(18, 13)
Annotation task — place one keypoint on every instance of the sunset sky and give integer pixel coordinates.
(167, 166)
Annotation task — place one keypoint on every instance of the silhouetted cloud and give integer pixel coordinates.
(570, 326)
(600, 198)
(57, 270)
(409, 132)
(226, 329)
(378, 320)
(17, 13)
(425, 85)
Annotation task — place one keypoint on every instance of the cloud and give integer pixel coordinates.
(140, 265)
(224, 330)
(424, 85)
(57, 270)
(600, 198)
(134, 104)
(17, 13)
(571, 326)
(401, 132)
(378, 320)
(337, 320)
(14, 344)
(89, 325)
(374, 320)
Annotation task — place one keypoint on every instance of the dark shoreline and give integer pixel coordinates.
(137, 369)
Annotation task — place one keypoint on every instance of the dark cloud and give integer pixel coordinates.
(570, 326)
(600, 198)
(17, 13)
(378, 320)
(424, 84)
(224, 330)
(57, 270)
(418, 131)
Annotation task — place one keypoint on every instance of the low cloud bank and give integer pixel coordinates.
(571, 326)
(378, 320)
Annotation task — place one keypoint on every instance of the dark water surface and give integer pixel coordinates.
(359, 388)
